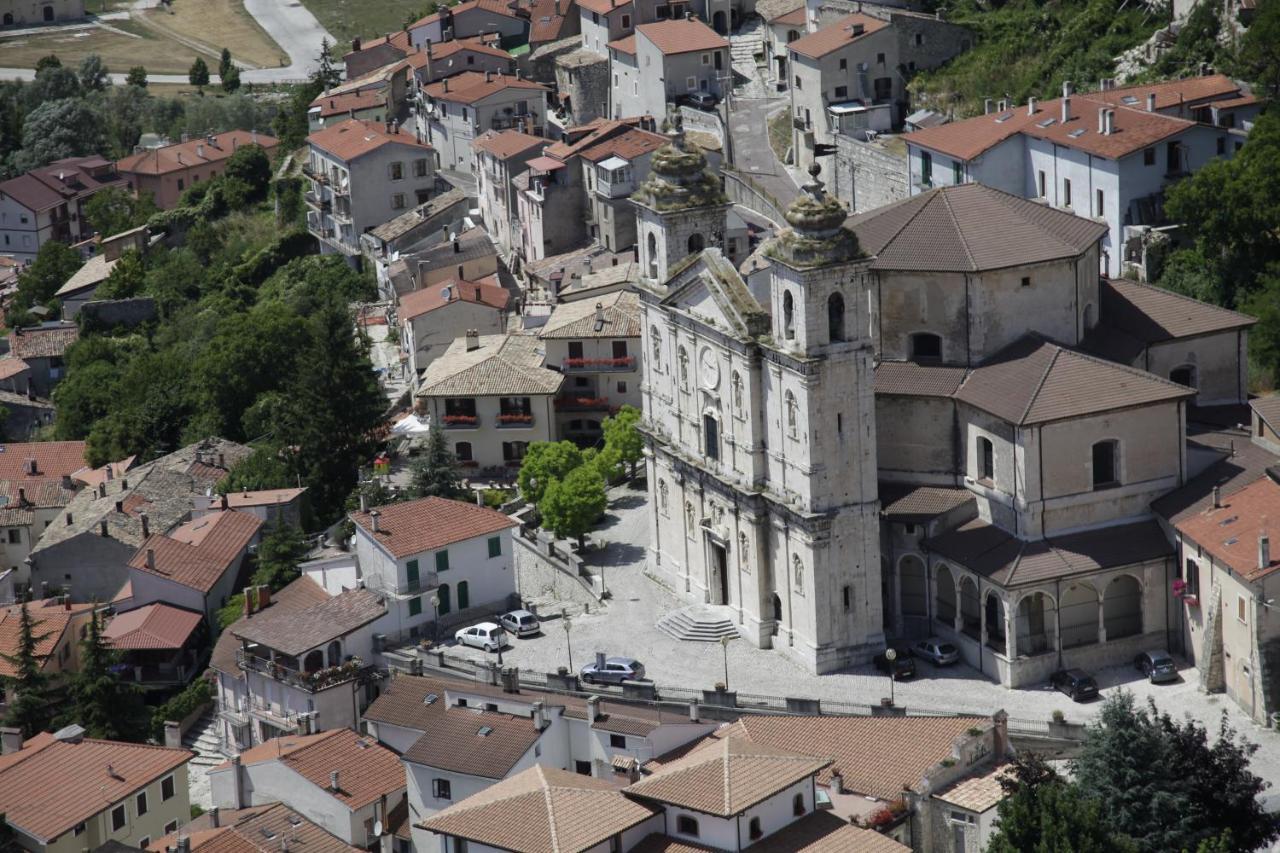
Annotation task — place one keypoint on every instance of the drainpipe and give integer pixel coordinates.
(1057, 615)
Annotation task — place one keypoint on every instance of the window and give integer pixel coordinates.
(582, 768)
(986, 460)
(411, 573)
(397, 171)
(622, 387)
(1066, 192)
(919, 39)
(415, 606)
(495, 546)
(513, 451)
(618, 741)
(15, 536)
(798, 86)
(459, 845)
(706, 59)
(462, 450)
(797, 805)
(619, 349)
(926, 169)
(442, 561)
(420, 168)
(711, 435)
(1241, 613)
(1026, 281)
(397, 201)
(1040, 184)
(144, 842)
(118, 818)
(753, 829)
(788, 316)
(687, 825)
(1222, 145)
(696, 243)
(626, 22)
(691, 83)
(842, 92)
(1148, 156)
(926, 347)
(141, 803)
(166, 790)
(171, 826)
(846, 593)
(1101, 204)
(1193, 577)
(880, 58)
(1104, 464)
(957, 172)
(81, 827)
(441, 789)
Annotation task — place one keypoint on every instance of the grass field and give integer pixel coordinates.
(347, 19)
(119, 51)
(217, 24)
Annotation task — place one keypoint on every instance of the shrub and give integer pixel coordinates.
(180, 706)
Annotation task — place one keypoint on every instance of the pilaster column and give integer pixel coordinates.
(1102, 623)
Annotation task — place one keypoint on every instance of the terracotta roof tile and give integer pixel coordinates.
(54, 459)
(11, 367)
(1170, 93)
(485, 291)
(193, 152)
(604, 7)
(686, 35)
(619, 318)
(502, 365)
(154, 626)
(1230, 532)
(628, 145)
(354, 138)
(473, 44)
(50, 617)
(475, 742)
(818, 832)
(911, 502)
(51, 341)
(199, 552)
(263, 497)
(299, 594)
(1153, 314)
(906, 378)
(259, 829)
(335, 105)
(471, 86)
(836, 35)
(61, 181)
(297, 630)
(404, 702)
(366, 769)
(976, 793)
(427, 524)
(507, 143)
(626, 44)
(541, 810)
(76, 780)
(1268, 408)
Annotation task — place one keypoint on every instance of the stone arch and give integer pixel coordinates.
(792, 35)
(993, 607)
(915, 587)
(788, 316)
(926, 347)
(1035, 631)
(970, 608)
(335, 653)
(1122, 607)
(944, 596)
(1078, 615)
(835, 317)
(314, 661)
(696, 242)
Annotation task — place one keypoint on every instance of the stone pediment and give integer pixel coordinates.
(707, 286)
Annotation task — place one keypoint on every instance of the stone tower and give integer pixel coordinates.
(680, 207)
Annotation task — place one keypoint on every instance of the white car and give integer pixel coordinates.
(522, 623)
(487, 635)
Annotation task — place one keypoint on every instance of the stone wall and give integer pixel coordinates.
(703, 122)
(583, 77)
(869, 174)
(541, 576)
(741, 189)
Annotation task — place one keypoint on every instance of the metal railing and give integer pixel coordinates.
(311, 682)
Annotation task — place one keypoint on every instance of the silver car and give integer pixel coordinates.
(937, 652)
(522, 623)
(614, 671)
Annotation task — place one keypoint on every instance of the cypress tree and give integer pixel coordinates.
(29, 705)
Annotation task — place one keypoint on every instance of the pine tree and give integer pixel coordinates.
(435, 473)
(105, 706)
(29, 708)
(224, 63)
(327, 74)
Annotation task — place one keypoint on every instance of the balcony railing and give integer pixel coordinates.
(426, 581)
(342, 212)
(515, 420)
(461, 421)
(598, 365)
(617, 189)
(312, 682)
(583, 404)
(315, 201)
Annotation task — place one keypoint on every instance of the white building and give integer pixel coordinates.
(664, 61)
(500, 156)
(1104, 155)
(430, 317)
(363, 174)
(433, 558)
(455, 111)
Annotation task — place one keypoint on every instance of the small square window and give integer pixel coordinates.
(622, 387)
(442, 789)
(844, 64)
(80, 829)
(1241, 609)
(144, 842)
(880, 58)
(495, 546)
(118, 819)
(1148, 156)
(171, 826)
(620, 741)
(1026, 281)
(842, 92)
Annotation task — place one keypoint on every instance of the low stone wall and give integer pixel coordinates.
(741, 189)
(869, 174)
(703, 122)
(544, 571)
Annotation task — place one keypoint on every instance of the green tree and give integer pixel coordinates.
(279, 553)
(224, 63)
(126, 277)
(1052, 817)
(621, 435)
(198, 76)
(1189, 272)
(113, 210)
(30, 708)
(250, 164)
(264, 468)
(1258, 56)
(137, 77)
(1264, 338)
(435, 472)
(105, 706)
(570, 507)
(50, 61)
(69, 127)
(52, 84)
(545, 461)
(54, 264)
(327, 72)
(93, 74)
(231, 79)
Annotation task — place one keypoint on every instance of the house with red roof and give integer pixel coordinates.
(431, 317)
(48, 204)
(167, 171)
(472, 18)
(500, 156)
(455, 111)
(433, 62)
(684, 57)
(159, 644)
(58, 625)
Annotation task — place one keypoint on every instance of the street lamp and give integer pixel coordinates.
(724, 644)
(567, 623)
(891, 655)
(435, 621)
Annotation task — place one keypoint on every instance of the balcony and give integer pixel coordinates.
(598, 365)
(583, 404)
(311, 682)
(461, 421)
(316, 202)
(409, 589)
(515, 420)
(342, 212)
(615, 189)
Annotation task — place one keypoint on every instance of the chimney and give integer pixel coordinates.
(1217, 497)
(67, 483)
(488, 76)
(457, 246)
(593, 708)
(445, 84)
(355, 43)
(10, 740)
(200, 151)
(33, 467)
(1066, 108)
(473, 340)
(363, 503)
(1151, 102)
(693, 712)
(69, 519)
(599, 314)
(1111, 122)
(1031, 106)
(1102, 119)
(213, 817)
(66, 599)
(146, 524)
(223, 503)
(237, 785)
(110, 470)
(102, 527)
(1264, 551)
(124, 484)
(248, 602)
(1067, 89)
(333, 781)
(373, 521)
(539, 715)
(44, 590)
(151, 559)
(837, 781)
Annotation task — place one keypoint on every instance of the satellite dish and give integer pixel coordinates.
(377, 828)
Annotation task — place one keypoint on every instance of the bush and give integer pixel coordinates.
(180, 706)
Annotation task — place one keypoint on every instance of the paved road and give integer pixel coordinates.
(118, 79)
(749, 127)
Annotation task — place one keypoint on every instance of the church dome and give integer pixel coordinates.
(817, 235)
(678, 176)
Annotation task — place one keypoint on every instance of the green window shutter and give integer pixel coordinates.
(495, 546)
(442, 561)
(415, 606)
(411, 568)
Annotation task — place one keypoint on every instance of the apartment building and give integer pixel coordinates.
(361, 175)
(384, 244)
(165, 172)
(48, 204)
(472, 18)
(477, 53)
(1106, 155)
(455, 111)
(430, 317)
(664, 61)
(500, 157)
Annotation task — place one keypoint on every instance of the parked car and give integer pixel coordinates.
(614, 671)
(522, 623)
(902, 666)
(1076, 683)
(487, 635)
(937, 652)
(703, 101)
(1156, 666)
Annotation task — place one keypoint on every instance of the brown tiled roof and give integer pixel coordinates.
(61, 181)
(626, 44)
(485, 291)
(471, 86)
(295, 631)
(299, 594)
(976, 793)
(366, 769)
(200, 552)
(908, 379)
(836, 35)
(472, 44)
(817, 832)
(912, 502)
(50, 618)
(259, 829)
(501, 366)
(991, 552)
(546, 23)
(1230, 532)
(684, 35)
(426, 524)
(76, 781)
(403, 702)
(354, 138)
(1152, 314)
(11, 367)
(970, 227)
(1241, 464)
(630, 144)
(263, 497)
(1170, 93)
(507, 143)
(35, 492)
(194, 152)
(54, 459)
(1268, 408)
(51, 341)
(541, 810)
(620, 312)
(475, 742)
(794, 17)
(1036, 381)
(399, 39)
(94, 476)
(728, 775)
(153, 626)
(335, 105)
(604, 7)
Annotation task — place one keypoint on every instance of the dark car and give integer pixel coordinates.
(902, 666)
(1076, 683)
(1156, 666)
(703, 101)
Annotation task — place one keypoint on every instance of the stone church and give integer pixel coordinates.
(933, 419)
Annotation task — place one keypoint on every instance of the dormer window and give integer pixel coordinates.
(926, 347)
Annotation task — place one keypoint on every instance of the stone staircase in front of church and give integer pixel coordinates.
(699, 623)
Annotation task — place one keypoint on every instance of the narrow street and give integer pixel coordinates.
(753, 104)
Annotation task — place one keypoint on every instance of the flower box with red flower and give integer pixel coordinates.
(515, 419)
(582, 404)
(461, 421)
(1179, 587)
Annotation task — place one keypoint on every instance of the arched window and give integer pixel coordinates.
(696, 243)
(313, 661)
(462, 450)
(797, 805)
(1106, 469)
(788, 316)
(797, 573)
(683, 358)
(711, 436)
(662, 495)
(653, 255)
(790, 406)
(926, 347)
(835, 317)
(335, 653)
(986, 461)
(655, 340)
(737, 392)
(687, 825)
(743, 555)
(443, 594)
(792, 35)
